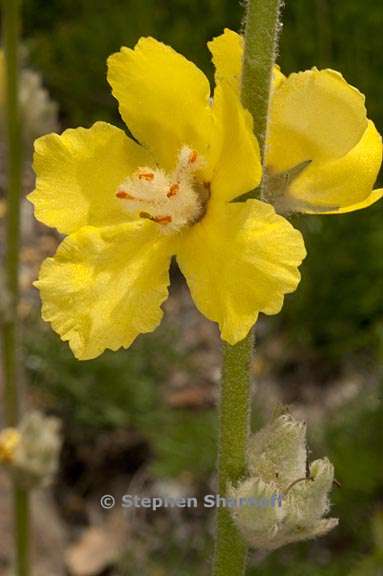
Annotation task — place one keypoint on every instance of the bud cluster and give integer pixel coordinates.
(277, 460)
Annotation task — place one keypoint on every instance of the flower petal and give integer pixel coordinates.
(238, 169)
(227, 52)
(163, 98)
(315, 115)
(238, 261)
(369, 201)
(105, 286)
(337, 185)
(78, 173)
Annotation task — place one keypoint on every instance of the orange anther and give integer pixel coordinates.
(124, 195)
(149, 176)
(173, 190)
(162, 219)
(192, 157)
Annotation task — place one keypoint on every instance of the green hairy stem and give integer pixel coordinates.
(9, 325)
(261, 35)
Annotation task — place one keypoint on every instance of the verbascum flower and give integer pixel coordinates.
(31, 451)
(277, 461)
(38, 111)
(323, 153)
(127, 208)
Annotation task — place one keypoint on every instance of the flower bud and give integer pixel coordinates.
(278, 451)
(266, 505)
(31, 451)
(296, 501)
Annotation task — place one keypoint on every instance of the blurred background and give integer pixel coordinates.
(144, 421)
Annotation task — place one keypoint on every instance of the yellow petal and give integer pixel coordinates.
(238, 169)
(325, 186)
(278, 77)
(227, 52)
(238, 261)
(371, 199)
(315, 115)
(105, 286)
(163, 98)
(78, 174)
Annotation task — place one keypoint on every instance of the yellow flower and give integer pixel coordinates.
(323, 154)
(9, 440)
(128, 208)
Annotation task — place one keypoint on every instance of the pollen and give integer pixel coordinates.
(172, 200)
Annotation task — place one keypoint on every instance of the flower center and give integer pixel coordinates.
(172, 200)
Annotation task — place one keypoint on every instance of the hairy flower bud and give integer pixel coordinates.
(278, 451)
(296, 501)
(267, 507)
(31, 451)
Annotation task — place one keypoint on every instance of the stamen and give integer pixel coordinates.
(173, 190)
(149, 176)
(172, 199)
(124, 195)
(156, 219)
(162, 219)
(193, 157)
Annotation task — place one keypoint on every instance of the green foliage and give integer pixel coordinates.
(116, 390)
(353, 442)
(124, 390)
(186, 442)
(372, 565)
(337, 310)
(168, 558)
(70, 42)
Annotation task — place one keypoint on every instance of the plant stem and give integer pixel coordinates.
(231, 550)
(14, 167)
(261, 40)
(261, 34)
(22, 532)
(10, 353)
